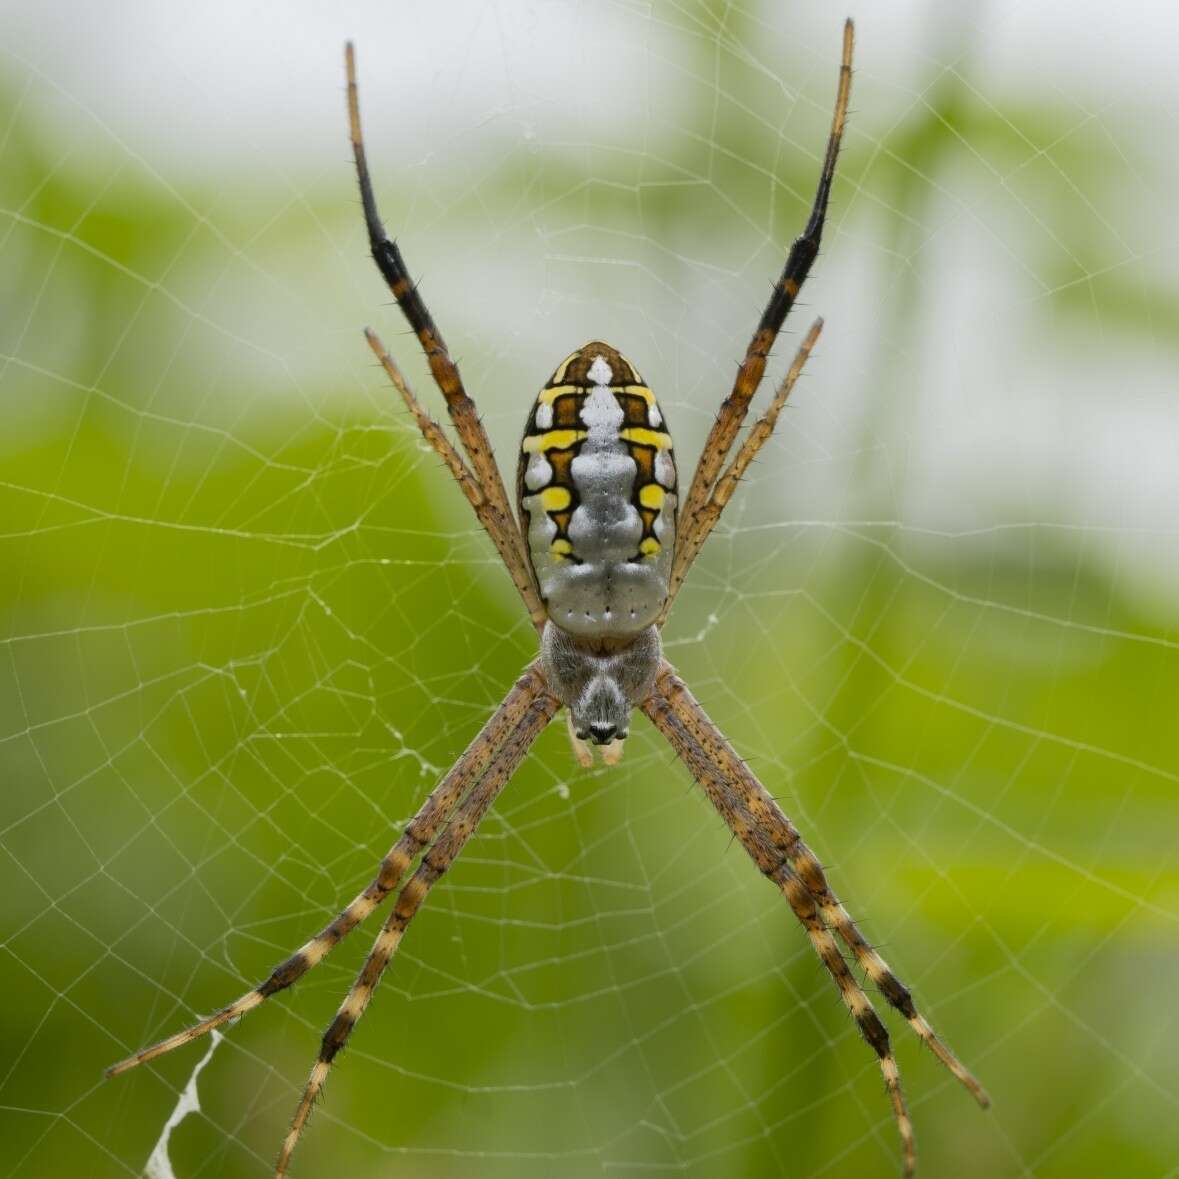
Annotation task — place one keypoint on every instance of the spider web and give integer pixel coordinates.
(247, 621)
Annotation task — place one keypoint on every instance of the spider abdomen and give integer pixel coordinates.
(597, 493)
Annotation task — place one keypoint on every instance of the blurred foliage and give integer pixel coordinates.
(242, 635)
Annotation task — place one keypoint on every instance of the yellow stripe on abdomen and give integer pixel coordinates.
(651, 495)
(639, 436)
(553, 440)
(555, 499)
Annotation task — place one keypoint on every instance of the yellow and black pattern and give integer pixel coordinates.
(652, 453)
(555, 433)
(557, 429)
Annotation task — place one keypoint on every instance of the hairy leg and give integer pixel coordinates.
(433, 866)
(773, 865)
(422, 829)
(798, 264)
(758, 802)
(504, 530)
(699, 527)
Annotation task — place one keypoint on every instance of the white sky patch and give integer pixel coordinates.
(159, 1165)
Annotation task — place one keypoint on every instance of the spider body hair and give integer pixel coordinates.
(600, 687)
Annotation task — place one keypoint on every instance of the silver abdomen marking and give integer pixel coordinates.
(597, 490)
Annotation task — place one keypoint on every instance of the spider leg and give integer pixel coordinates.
(688, 548)
(422, 829)
(749, 374)
(503, 537)
(773, 865)
(505, 532)
(770, 818)
(432, 867)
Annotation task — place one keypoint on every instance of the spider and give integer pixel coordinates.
(598, 553)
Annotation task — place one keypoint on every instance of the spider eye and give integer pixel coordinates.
(602, 734)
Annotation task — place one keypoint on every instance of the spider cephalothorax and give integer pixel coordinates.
(599, 687)
(599, 551)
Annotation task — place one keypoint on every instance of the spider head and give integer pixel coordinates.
(601, 713)
(599, 688)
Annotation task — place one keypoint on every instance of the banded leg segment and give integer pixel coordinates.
(421, 830)
(700, 527)
(768, 857)
(757, 802)
(798, 264)
(505, 533)
(433, 866)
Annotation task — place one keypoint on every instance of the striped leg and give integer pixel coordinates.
(701, 525)
(503, 533)
(769, 859)
(496, 513)
(422, 829)
(433, 865)
(798, 264)
(786, 838)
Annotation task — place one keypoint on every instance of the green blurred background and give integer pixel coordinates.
(246, 620)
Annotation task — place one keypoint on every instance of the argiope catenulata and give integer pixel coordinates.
(601, 548)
